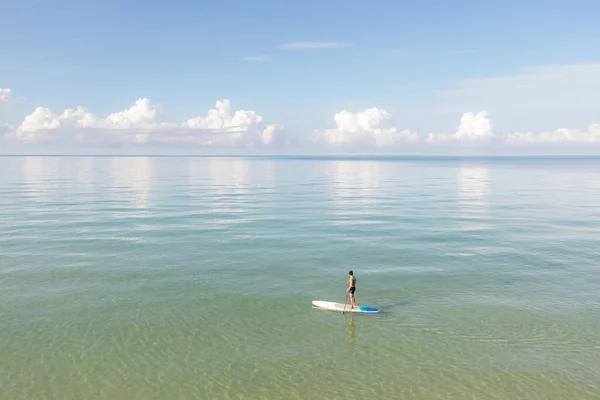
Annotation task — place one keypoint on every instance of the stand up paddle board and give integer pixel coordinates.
(330, 305)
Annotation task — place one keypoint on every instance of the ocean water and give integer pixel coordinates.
(192, 278)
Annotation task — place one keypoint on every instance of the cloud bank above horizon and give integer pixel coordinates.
(221, 128)
(474, 130)
(139, 125)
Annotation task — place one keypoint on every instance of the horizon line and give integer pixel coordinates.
(225, 155)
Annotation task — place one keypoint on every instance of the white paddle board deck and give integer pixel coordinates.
(330, 305)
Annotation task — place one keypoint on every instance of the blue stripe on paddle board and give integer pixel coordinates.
(369, 309)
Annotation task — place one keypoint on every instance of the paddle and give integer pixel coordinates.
(345, 301)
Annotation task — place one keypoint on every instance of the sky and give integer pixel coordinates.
(281, 77)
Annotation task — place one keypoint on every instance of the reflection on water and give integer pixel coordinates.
(356, 187)
(141, 177)
(33, 168)
(473, 186)
(196, 174)
(229, 176)
(132, 179)
(351, 331)
(35, 178)
(473, 191)
(230, 184)
(269, 174)
(84, 175)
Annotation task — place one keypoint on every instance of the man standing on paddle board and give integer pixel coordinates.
(351, 288)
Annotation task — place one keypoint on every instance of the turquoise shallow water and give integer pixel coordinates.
(192, 278)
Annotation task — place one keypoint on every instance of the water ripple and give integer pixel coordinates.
(160, 278)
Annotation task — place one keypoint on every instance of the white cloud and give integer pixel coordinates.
(363, 130)
(313, 45)
(272, 134)
(42, 125)
(142, 115)
(559, 136)
(139, 125)
(473, 127)
(256, 58)
(222, 127)
(5, 95)
(536, 98)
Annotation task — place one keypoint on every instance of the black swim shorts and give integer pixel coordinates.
(352, 290)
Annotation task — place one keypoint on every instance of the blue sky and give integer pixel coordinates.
(412, 59)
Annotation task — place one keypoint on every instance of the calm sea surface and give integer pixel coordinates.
(192, 278)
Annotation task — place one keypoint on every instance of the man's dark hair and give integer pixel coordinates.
(351, 273)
